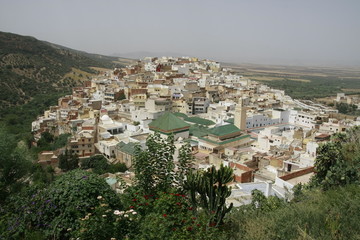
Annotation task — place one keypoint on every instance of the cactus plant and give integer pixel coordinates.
(208, 191)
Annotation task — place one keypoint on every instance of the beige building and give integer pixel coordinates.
(125, 152)
(83, 143)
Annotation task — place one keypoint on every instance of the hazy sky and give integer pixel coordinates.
(322, 32)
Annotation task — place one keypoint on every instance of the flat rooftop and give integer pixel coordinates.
(301, 179)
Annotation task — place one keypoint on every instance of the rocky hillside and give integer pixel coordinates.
(29, 67)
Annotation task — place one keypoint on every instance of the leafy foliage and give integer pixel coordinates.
(338, 162)
(103, 222)
(100, 165)
(261, 204)
(29, 67)
(319, 215)
(320, 86)
(41, 175)
(345, 108)
(186, 160)
(15, 165)
(49, 142)
(57, 209)
(68, 161)
(166, 215)
(154, 167)
(18, 119)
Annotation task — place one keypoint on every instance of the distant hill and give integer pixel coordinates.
(142, 54)
(29, 67)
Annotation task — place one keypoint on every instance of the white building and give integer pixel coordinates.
(303, 119)
(107, 147)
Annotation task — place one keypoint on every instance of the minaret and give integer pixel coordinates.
(240, 115)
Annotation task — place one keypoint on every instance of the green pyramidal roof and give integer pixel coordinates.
(128, 148)
(168, 122)
(224, 130)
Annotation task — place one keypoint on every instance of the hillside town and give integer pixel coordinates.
(269, 139)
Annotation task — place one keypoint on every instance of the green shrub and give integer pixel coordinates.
(57, 209)
(318, 215)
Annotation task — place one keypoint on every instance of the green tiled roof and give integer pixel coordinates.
(198, 130)
(120, 144)
(199, 120)
(189, 140)
(128, 148)
(224, 142)
(224, 130)
(230, 120)
(179, 114)
(168, 122)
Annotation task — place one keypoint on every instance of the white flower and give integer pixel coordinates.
(134, 213)
(99, 197)
(131, 210)
(104, 216)
(117, 212)
(126, 215)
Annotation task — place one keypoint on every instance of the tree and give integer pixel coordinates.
(100, 165)
(347, 108)
(338, 162)
(41, 175)
(121, 97)
(262, 204)
(15, 165)
(154, 166)
(45, 140)
(60, 141)
(98, 162)
(186, 160)
(117, 167)
(68, 161)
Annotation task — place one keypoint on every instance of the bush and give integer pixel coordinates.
(100, 165)
(57, 209)
(338, 162)
(319, 215)
(167, 215)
